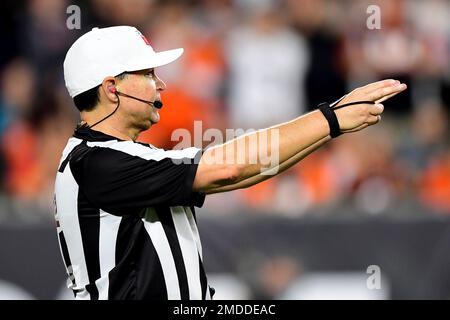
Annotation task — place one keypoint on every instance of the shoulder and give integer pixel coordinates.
(115, 155)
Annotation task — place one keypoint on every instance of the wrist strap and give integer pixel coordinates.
(333, 122)
(328, 112)
(353, 103)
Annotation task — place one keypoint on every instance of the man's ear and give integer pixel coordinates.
(108, 89)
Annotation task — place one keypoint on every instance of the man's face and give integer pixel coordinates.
(146, 85)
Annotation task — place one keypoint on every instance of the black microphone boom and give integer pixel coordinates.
(157, 104)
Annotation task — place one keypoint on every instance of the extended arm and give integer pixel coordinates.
(238, 164)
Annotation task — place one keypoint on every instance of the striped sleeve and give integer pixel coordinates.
(127, 175)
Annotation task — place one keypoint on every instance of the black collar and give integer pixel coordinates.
(82, 131)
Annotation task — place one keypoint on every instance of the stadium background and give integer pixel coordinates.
(380, 197)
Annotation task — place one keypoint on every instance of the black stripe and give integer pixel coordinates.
(126, 237)
(71, 153)
(151, 283)
(89, 219)
(93, 291)
(165, 216)
(203, 280)
(122, 279)
(193, 213)
(65, 251)
(66, 258)
(65, 162)
(138, 273)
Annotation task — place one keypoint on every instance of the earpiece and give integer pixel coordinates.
(112, 88)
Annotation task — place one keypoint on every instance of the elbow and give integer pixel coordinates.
(229, 175)
(216, 178)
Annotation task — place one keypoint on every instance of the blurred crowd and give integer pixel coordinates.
(248, 64)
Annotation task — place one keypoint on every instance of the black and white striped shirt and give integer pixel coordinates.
(125, 219)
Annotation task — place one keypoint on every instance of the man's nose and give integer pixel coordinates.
(160, 85)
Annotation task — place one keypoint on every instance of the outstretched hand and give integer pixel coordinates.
(357, 117)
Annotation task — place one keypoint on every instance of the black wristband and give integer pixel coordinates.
(333, 123)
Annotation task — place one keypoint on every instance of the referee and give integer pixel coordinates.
(125, 210)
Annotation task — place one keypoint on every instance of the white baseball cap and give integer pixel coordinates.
(104, 52)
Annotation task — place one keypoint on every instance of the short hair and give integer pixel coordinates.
(86, 101)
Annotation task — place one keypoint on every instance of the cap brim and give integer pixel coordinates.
(158, 59)
(165, 57)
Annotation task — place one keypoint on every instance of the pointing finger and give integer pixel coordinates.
(381, 93)
(380, 84)
(386, 97)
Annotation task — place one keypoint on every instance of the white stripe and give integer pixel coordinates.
(66, 190)
(159, 239)
(194, 229)
(138, 150)
(102, 285)
(109, 227)
(83, 295)
(189, 251)
(71, 144)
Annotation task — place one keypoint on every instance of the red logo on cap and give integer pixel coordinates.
(145, 40)
(143, 37)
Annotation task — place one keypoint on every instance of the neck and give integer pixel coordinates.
(110, 127)
(117, 132)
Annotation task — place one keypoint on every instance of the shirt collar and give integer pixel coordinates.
(82, 131)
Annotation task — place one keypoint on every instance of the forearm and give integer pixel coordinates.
(252, 152)
(281, 168)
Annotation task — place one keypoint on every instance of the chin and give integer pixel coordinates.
(154, 121)
(145, 125)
